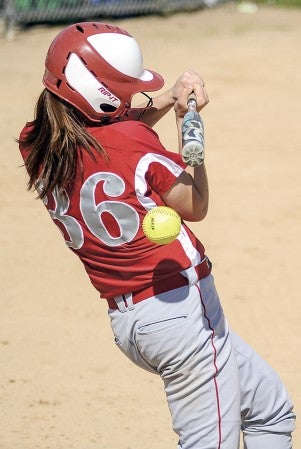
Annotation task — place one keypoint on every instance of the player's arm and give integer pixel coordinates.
(164, 101)
(189, 196)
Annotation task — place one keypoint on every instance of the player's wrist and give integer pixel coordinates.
(169, 98)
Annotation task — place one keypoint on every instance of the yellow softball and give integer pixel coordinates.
(161, 225)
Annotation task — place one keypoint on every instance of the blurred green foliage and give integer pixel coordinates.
(280, 2)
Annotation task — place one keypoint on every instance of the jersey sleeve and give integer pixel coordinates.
(163, 166)
(136, 149)
(163, 173)
(24, 151)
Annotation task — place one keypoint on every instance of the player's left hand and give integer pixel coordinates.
(190, 81)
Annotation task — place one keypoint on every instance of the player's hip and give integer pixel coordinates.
(182, 324)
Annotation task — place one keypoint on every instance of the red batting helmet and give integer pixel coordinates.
(97, 68)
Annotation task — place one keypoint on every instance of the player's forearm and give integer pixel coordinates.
(200, 180)
(163, 102)
(160, 106)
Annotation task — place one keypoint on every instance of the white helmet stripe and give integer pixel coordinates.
(82, 80)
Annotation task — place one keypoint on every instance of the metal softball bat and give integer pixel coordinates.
(193, 152)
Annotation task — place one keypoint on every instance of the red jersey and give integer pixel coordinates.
(101, 217)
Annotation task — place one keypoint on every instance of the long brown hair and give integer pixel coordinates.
(55, 141)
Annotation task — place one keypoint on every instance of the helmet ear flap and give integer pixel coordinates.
(97, 68)
(88, 85)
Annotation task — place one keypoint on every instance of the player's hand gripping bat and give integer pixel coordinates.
(193, 152)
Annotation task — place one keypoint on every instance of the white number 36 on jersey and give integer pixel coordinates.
(125, 215)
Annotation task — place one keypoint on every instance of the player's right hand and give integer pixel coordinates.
(201, 95)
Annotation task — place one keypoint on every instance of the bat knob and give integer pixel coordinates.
(192, 154)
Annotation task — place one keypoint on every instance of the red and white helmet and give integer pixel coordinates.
(97, 68)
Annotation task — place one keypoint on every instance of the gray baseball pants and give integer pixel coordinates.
(215, 384)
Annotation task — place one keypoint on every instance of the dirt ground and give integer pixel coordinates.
(63, 382)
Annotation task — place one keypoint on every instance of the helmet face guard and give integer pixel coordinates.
(97, 68)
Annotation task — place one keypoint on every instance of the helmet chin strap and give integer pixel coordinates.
(137, 113)
(108, 119)
(148, 106)
(124, 115)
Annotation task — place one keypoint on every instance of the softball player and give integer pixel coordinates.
(99, 167)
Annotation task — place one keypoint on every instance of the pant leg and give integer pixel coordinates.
(266, 409)
(182, 335)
